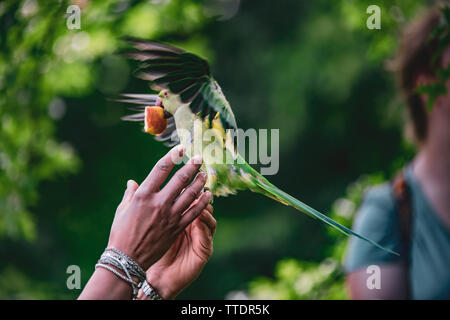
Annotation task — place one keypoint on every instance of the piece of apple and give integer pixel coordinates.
(155, 122)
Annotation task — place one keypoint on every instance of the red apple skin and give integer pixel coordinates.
(155, 122)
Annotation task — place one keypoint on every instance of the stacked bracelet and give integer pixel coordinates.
(150, 292)
(116, 258)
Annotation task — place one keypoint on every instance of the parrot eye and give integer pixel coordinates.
(166, 94)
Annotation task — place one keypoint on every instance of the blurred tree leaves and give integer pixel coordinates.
(43, 65)
(28, 152)
(302, 279)
(299, 279)
(311, 69)
(41, 60)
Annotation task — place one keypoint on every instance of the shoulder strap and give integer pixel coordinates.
(402, 195)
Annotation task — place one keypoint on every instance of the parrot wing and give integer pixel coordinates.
(188, 76)
(184, 74)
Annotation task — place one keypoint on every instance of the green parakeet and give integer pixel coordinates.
(190, 102)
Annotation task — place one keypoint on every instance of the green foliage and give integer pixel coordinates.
(394, 15)
(310, 68)
(303, 279)
(298, 279)
(441, 35)
(41, 60)
(43, 65)
(16, 285)
(433, 91)
(28, 152)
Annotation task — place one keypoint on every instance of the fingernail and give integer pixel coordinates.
(197, 160)
(202, 176)
(208, 195)
(129, 182)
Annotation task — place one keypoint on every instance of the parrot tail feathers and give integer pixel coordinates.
(275, 193)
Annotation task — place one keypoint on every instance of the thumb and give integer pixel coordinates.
(129, 192)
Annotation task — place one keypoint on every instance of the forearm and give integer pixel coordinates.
(104, 285)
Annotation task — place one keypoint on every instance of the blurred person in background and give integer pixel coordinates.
(411, 215)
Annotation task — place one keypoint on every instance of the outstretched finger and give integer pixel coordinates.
(195, 210)
(189, 194)
(210, 208)
(181, 179)
(162, 169)
(131, 189)
(129, 192)
(207, 218)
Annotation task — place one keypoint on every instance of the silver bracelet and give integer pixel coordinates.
(135, 269)
(133, 284)
(120, 262)
(150, 292)
(118, 259)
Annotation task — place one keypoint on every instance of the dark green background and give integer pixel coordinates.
(309, 68)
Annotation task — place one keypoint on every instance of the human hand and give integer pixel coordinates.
(185, 259)
(149, 219)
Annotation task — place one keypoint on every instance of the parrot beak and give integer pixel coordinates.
(155, 120)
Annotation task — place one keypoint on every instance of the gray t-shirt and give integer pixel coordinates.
(378, 220)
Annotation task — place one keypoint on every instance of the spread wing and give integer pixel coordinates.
(184, 74)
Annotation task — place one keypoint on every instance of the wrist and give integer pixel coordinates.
(133, 277)
(161, 288)
(122, 266)
(135, 256)
(105, 285)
